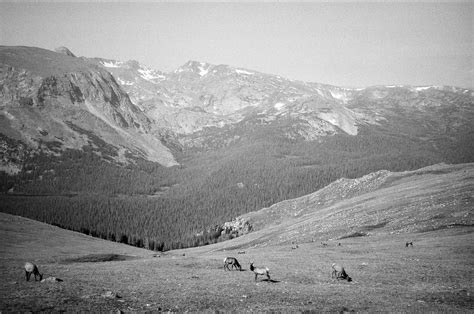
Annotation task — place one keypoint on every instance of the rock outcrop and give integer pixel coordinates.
(51, 97)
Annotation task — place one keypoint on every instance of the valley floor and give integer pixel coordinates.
(433, 275)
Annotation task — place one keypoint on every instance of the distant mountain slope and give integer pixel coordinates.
(55, 101)
(206, 105)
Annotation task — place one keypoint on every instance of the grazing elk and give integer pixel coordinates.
(233, 262)
(260, 271)
(339, 272)
(31, 268)
(408, 243)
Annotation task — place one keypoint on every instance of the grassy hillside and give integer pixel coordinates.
(431, 207)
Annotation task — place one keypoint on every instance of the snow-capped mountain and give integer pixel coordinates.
(198, 99)
(50, 96)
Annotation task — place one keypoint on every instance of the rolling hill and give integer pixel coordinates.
(365, 228)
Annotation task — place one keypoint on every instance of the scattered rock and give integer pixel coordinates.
(111, 295)
(52, 279)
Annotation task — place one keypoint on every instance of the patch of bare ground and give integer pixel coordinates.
(435, 274)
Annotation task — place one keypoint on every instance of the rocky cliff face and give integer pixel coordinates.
(43, 93)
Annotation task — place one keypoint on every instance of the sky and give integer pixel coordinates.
(353, 44)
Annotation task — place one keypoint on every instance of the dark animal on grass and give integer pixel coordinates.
(233, 262)
(324, 244)
(339, 272)
(408, 243)
(31, 268)
(262, 271)
(241, 252)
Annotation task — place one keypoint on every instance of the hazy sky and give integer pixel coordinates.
(348, 44)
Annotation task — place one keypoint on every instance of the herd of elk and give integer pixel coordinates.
(229, 264)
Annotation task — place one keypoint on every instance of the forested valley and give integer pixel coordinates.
(147, 205)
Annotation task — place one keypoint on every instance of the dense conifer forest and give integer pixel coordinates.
(147, 205)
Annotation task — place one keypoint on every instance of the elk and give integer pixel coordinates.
(31, 268)
(408, 243)
(260, 271)
(231, 261)
(339, 272)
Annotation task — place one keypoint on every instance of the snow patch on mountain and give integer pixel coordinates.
(420, 88)
(203, 70)
(343, 118)
(150, 75)
(340, 95)
(124, 82)
(112, 64)
(239, 71)
(279, 106)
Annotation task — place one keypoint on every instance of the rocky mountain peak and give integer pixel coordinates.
(64, 51)
(52, 97)
(196, 67)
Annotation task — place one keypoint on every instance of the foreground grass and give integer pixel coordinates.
(435, 275)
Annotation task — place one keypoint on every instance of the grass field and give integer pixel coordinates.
(432, 207)
(433, 275)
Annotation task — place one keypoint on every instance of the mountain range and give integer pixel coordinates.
(207, 143)
(200, 105)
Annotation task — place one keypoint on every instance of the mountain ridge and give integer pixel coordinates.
(220, 96)
(47, 90)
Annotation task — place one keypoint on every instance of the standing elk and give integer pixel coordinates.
(339, 272)
(233, 262)
(260, 271)
(408, 243)
(31, 268)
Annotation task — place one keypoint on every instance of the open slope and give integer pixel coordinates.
(431, 207)
(431, 198)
